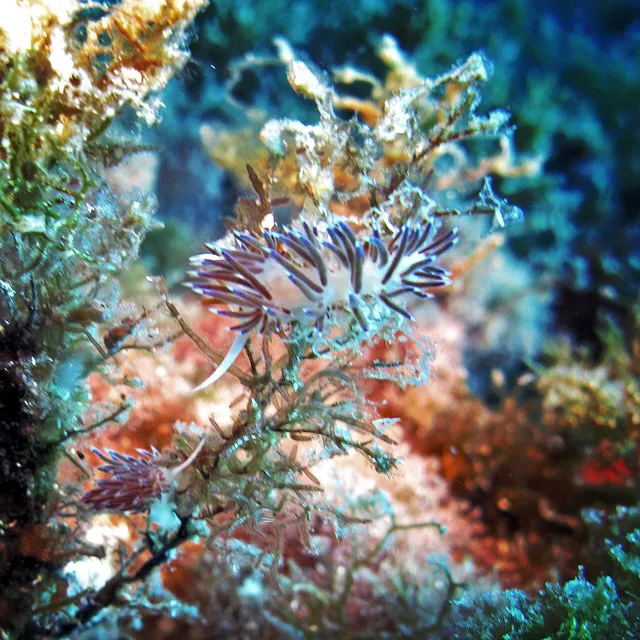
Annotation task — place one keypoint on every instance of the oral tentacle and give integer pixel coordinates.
(227, 362)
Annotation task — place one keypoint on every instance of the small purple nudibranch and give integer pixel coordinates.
(269, 281)
(134, 482)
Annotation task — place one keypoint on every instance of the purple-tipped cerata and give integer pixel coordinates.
(267, 282)
(135, 481)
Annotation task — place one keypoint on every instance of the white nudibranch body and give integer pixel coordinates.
(272, 280)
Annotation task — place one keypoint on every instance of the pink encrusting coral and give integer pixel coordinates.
(270, 282)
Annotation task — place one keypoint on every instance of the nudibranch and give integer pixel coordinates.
(270, 281)
(135, 481)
